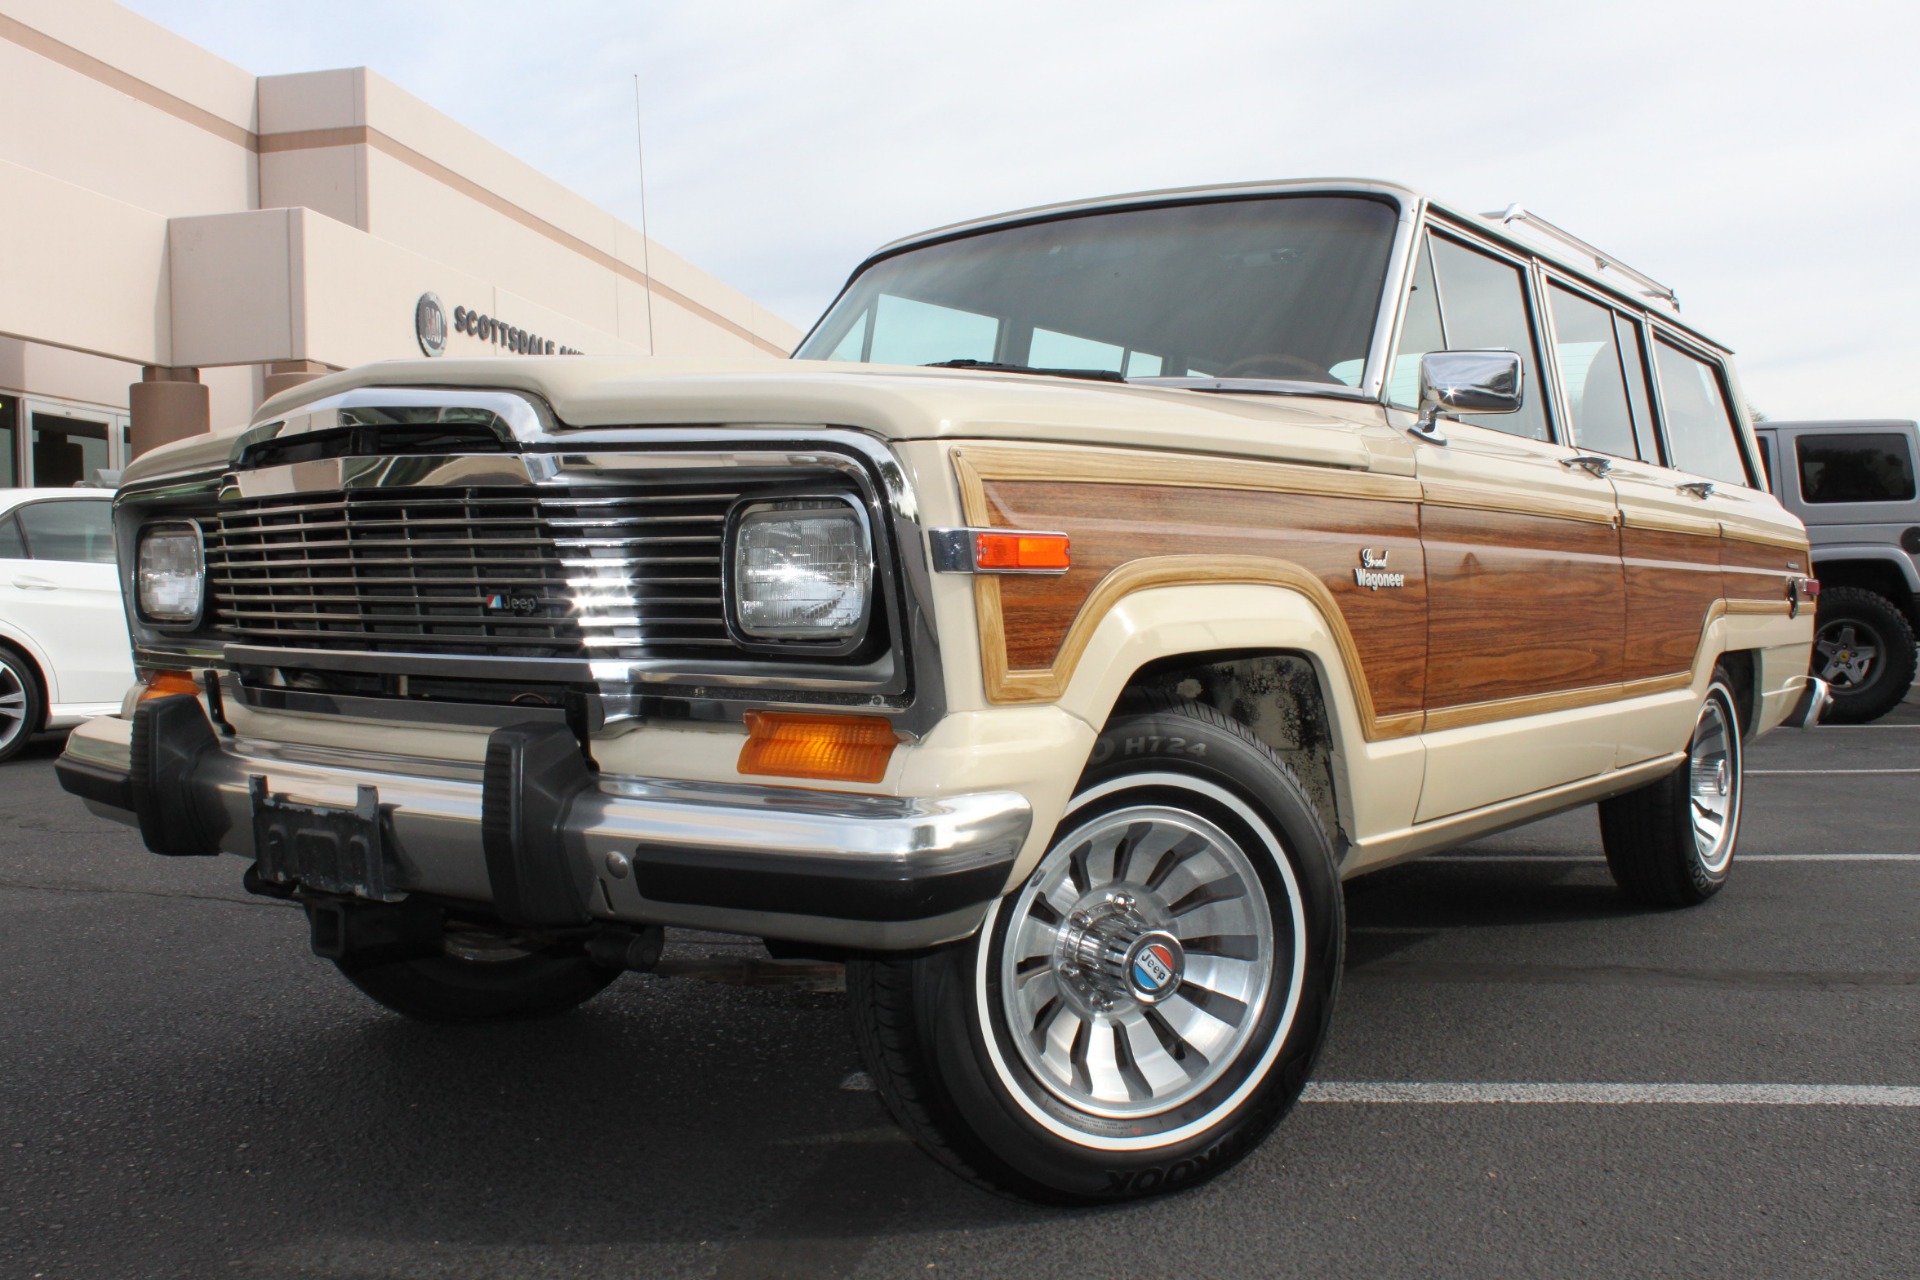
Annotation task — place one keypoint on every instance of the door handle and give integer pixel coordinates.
(35, 584)
(1593, 463)
(1702, 489)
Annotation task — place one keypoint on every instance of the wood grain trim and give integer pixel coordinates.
(1476, 497)
(1180, 471)
(1050, 683)
(1537, 704)
(1670, 522)
(1746, 533)
(1779, 608)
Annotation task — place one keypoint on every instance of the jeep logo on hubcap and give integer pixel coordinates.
(1155, 965)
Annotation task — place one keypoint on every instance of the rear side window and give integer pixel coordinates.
(1855, 468)
(1766, 460)
(11, 547)
(1700, 429)
(1483, 306)
(78, 531)
(1588, 352)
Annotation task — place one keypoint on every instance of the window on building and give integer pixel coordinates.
(66, 451)
(1588, 353)
(9, 442)
(12, 546)
(1700, 428)
(1855, 468)
(80, 531)
(1483, 306)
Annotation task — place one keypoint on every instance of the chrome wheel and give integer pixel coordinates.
(1713, 784)
(1139, 959)
(13, 706)
(1847, 652)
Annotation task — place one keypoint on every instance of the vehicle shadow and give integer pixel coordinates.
(670, 1113)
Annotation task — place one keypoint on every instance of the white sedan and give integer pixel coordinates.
(64, 654)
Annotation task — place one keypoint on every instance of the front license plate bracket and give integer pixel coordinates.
(322, 847)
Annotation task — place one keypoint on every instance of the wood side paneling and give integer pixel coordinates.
(1114, 524)
(1759, 570)
(1520, 605)
(1673, 581)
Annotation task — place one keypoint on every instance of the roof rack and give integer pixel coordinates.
(1650, 288)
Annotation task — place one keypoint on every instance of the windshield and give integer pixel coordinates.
(1282, 287)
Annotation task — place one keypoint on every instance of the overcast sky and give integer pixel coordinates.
(1762, 158)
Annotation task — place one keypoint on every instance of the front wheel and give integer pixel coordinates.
(1145, 1007)
(482, 975)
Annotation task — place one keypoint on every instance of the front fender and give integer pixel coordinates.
(1377, 780)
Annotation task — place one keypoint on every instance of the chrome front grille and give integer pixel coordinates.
(591, 572)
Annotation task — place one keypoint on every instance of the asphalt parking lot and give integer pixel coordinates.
(1528, 1076)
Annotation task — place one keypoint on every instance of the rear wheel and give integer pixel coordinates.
(1144, 1008)
(1863, 647)
(21, 707)
(482, 976)
(1670, 844)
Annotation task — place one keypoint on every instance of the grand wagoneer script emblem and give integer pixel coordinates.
(1372, 573)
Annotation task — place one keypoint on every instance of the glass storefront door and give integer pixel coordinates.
(56, 444)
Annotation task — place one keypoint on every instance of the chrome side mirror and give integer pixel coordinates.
(1467, 382)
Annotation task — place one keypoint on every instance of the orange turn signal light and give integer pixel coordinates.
(1021, 551)
(164, 684)
(832, 748)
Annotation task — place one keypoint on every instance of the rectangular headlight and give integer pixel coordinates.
(170, 574)
(802, 570)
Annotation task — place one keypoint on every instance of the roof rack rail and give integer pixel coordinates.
(1650, 288)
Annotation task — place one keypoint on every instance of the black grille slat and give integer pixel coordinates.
(612, 573)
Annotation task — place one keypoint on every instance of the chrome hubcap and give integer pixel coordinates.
(1714, 785)
(1847, 653)
(1138, 961)
(13, 705)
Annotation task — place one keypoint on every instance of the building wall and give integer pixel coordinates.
(186, 215)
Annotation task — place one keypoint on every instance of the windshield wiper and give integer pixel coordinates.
(994, 366)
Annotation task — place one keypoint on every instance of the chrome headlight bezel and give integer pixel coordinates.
(177, 619)
(766, 509)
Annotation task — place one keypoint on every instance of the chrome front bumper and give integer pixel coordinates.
(849, 870)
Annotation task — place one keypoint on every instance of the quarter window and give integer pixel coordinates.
(1700, 430)
(79, 531)
(1420, 333)
(1587, 351)
(1483, 306)
(1855, 468)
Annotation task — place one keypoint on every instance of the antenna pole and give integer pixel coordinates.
(646, 241)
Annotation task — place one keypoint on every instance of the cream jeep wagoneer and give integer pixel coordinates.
(1096, 589)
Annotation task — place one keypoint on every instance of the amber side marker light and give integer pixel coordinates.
(831, 748)
(1021, 551)
(164, 684)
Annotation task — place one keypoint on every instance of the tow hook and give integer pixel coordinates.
(634, 950)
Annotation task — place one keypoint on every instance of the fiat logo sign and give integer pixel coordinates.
(430, 324)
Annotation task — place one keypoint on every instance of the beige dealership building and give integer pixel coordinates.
(184, 238)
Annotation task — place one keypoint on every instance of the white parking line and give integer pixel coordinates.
(1765, 1095)
(1817, 773)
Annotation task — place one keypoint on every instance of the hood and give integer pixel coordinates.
(893, 402)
